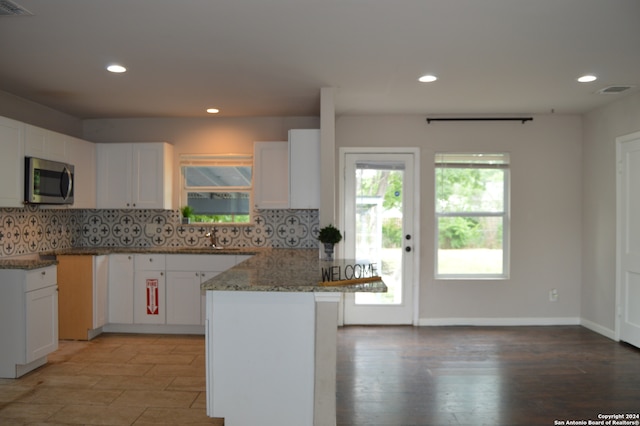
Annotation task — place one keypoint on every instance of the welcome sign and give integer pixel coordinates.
(350, 273)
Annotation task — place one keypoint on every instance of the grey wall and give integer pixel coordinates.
(38, 115)
(600, 130)
(546, 214)
(563, 196)
(214, 135)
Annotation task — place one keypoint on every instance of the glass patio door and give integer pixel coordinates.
(378, 218)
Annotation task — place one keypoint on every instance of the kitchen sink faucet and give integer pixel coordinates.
(212, 237)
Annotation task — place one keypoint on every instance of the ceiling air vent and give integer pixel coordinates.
(9, 8)
(613, 90)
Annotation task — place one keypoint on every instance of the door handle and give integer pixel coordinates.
(65, 190)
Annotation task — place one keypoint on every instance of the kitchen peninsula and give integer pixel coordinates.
(271, 330)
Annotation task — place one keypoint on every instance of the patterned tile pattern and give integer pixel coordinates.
(33, 229)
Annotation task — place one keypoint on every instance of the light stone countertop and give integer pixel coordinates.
(44, 259)
(97, 251)
(26, 263)
(286, 270)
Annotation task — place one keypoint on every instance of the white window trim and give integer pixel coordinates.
(208, 160)
(506, 231)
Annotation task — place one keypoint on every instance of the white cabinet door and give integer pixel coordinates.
(149, 297)
(82, 155)
(43, 143)
(304, 169)
(152, 175)
(137, 175)
(42, 322)
(185, 274)
(120, 294)
(184, 298)
(204, 276)
(100, 290)
(11, 163)
(114, 166)
(271, 175)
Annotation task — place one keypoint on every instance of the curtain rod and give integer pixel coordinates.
(521, 119)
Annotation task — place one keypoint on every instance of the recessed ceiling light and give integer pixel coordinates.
(116, 68)
(213, 110)
(427, 78)
(587, 78)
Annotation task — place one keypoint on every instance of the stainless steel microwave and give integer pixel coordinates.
(48, 182)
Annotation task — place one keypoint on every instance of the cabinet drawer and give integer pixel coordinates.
(41, 278)
(149, 262)
(200, 262)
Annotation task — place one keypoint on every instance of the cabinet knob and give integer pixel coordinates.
(43, 273)
(162, 274)
(151, 259)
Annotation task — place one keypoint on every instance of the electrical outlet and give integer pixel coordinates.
(553, 295)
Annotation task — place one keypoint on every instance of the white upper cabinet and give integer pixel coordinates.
(304, 169)
(152, 175)
(82, 155)
(134, 175)
(11, 163)
(43, 143)
(114, 180)
(287, 174)
(271, 175)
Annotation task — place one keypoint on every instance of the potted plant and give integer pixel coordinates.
(329, 236)
(187, 214)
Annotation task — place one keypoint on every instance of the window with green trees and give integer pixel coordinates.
(472, 215)
(217, 187)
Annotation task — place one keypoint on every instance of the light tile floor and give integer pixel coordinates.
(115, 379)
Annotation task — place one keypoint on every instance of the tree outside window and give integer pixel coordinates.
(472, 215)
(218, 188)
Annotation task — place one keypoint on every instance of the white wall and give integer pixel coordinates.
(215, 135)
(601, 128)
(546, 202)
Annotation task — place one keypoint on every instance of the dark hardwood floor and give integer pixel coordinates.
(483, 376)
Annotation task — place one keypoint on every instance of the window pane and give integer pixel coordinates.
(217, 176)
(471, 214)
(217, 187)
(470, 245)
(469, 190)
(219, 203)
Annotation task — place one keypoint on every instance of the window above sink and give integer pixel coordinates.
(217, 187)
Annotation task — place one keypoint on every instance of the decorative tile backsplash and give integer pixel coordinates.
(33, 229)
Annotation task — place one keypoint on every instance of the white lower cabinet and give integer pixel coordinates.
(161, 293)
(120, 306)
(184, 305)
(149, 301)
(28, 319)
(185, 274)
(42, 318)
(100, 290)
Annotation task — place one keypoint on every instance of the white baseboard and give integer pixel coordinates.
(153, 329)
(606, 332)
(499, 321)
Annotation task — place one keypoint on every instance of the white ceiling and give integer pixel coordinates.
(271, 57)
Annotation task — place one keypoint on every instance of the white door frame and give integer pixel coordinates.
(416, 214)
(620, 228)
